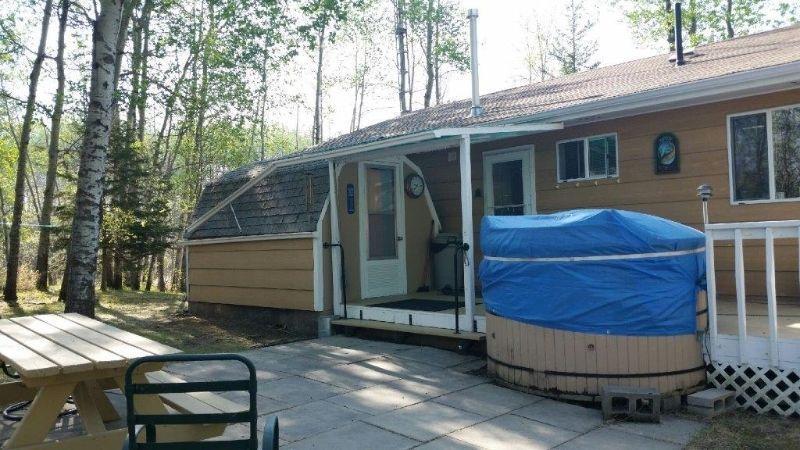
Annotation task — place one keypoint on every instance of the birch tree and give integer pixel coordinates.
(43, 251)
(12, 269)
(324, 18)
(84, 241)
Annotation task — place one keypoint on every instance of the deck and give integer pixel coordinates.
(757, 317)
(443, 317)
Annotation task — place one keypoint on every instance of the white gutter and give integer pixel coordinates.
(257, 237)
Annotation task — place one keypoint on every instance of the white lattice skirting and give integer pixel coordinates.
(761, 389)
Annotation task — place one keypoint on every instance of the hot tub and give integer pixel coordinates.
(579, 299)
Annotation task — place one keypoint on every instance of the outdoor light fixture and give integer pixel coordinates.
(705, 192)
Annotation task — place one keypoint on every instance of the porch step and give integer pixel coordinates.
(412, 329)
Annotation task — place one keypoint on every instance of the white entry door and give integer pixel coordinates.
(508, 182)
(382, 225)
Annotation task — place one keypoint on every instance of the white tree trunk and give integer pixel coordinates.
(84, 241)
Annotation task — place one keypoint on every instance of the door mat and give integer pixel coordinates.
(419, 304)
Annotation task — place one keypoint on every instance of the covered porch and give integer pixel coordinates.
(383, 221)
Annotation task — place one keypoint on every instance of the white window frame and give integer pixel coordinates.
(770, 157)
(586, 158)
(524, 153)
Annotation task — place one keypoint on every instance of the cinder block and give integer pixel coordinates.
(711, 402)
(713, 398)
(635, 403)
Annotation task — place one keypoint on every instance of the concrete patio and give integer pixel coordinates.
(341, 392)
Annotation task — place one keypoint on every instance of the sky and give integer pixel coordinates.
(501, 33)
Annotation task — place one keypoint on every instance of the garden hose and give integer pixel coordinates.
(10, 411)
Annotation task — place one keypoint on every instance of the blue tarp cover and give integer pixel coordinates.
(599, 271)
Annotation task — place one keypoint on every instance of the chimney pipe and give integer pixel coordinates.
(678, 35)
(477, 109)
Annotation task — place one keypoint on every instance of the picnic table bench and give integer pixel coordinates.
(61, 355)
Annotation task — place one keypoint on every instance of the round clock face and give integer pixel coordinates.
(415, 185)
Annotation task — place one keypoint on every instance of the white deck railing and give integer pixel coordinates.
(750, 348)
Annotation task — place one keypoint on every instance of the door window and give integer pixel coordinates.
(509, 196)
(381, 212)
(508, 182)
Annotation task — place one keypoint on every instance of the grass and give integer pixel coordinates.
(163, 318)
(748, 430)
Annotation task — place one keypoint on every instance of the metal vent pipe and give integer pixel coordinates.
(476, 109)
(678, 35)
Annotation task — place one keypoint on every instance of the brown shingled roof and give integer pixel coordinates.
(757, 51)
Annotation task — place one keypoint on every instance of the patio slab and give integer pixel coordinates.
(438, 383)
(510, 431)
(487, 400)
(671, 429)
(611, 439)
(312, 419)
(365, 435)
(298, 390)
(378, 399)
(562, 415)
(447, 443)
(350, 376)
(399, 367)
(425, 421)
(435, 356)
(410, 402)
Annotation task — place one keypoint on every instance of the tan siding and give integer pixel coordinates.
(252, 278)
(274, 273)
(272, 298)
(702, 134)
(259, 259)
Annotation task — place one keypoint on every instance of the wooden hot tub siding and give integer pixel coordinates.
(526, 356)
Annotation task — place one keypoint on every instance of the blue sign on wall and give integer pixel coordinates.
(351, 199)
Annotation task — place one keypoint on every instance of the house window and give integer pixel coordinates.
(765, 155)
(587, 158)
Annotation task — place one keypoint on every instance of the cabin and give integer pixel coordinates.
(367, 229)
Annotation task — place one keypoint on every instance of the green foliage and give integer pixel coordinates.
(574, 49)
(324, 17)
(447, 16)
(653, 21)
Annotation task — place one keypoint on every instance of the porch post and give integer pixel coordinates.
(466, 230)
(336, 267)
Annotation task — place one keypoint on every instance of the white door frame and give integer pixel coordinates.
(400, 224)
(523, 153)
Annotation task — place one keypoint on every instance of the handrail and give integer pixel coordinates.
(767, 231)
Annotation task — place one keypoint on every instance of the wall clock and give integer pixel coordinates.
(667, 153)
(414, 185)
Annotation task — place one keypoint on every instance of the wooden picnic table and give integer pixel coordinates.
(58, 355)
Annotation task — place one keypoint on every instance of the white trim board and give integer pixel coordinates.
(257, 237)
(526, 154)
(768, 112)
(400, 230)
(418, 318)
(319, 261)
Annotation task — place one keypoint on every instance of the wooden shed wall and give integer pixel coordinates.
(702, 134)
(274, 273)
